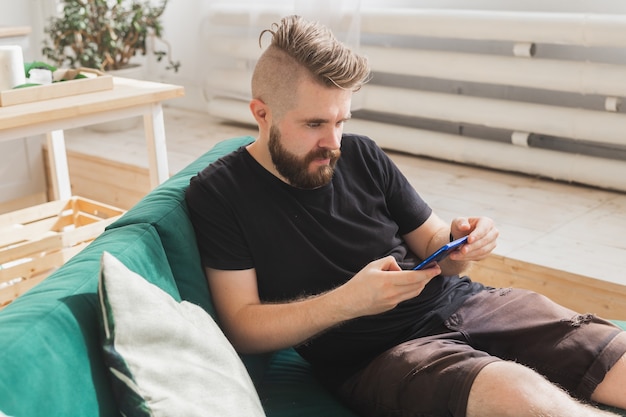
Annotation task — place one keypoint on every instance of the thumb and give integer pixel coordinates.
(460, 227)
(388, 263)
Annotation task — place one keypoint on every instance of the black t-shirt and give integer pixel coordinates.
(304, 242)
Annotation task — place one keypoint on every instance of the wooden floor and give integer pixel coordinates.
(574, 235)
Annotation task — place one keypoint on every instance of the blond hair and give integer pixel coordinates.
(300, 48)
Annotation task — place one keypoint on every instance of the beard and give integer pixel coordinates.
(296, 170)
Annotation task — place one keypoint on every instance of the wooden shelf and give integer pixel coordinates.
(14, 31)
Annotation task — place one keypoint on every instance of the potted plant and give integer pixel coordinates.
(105, 34)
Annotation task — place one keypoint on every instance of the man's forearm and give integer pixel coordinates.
(266, 327)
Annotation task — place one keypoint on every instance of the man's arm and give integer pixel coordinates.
(253, 326)
(434, 233)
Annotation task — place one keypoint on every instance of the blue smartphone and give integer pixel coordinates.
(442, 253)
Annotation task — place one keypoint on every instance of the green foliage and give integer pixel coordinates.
(105, 34)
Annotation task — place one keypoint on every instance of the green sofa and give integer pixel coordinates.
(51, 362)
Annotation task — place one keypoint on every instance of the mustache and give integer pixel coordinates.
(324, 153)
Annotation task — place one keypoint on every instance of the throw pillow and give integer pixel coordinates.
(167, 358)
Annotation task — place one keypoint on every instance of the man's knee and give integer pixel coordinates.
(504, 388)
(505, 381)
(510, 389)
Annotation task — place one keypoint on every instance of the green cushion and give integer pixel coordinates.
(50, 355)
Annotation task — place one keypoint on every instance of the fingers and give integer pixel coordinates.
(460, 227)
(382, 285)
(403, 277)
(388, 263)
(482, 237)
(405, 285)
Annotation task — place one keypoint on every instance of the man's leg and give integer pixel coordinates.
(450, 372)
(509, 389)
(430, 376)
(612, 390)
(580, 353)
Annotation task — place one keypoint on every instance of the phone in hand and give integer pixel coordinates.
(441, 253)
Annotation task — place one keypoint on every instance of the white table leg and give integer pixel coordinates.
(57, 158)
(154, 127)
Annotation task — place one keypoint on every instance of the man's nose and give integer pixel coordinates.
(332, 138)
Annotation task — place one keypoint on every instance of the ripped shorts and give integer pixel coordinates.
(432, 376)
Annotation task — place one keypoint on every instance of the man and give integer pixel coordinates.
(309, 236)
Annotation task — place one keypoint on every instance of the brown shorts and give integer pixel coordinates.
(432, 376)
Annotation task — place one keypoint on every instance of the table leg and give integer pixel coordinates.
(57, 158)
(154, 127)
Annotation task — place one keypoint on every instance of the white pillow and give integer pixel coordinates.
(168, 358)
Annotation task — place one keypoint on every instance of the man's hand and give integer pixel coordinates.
(481, 237)
(434, 233)
(382, 285)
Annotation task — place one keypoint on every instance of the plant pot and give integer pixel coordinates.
(133, 71)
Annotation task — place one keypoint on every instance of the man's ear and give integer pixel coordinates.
(261, 113)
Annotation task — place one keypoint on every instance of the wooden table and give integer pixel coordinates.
(128, 98)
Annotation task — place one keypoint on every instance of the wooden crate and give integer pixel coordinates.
(37, 240)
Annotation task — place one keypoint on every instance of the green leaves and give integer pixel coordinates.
(104, 34)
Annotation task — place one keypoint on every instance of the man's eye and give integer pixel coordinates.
(313, 125)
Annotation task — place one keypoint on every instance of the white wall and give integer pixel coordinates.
(185, 24)
(577, 6)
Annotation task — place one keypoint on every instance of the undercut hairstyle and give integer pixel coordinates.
(300, 48)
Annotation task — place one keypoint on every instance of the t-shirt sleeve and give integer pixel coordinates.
(221, 242)
(405, 205)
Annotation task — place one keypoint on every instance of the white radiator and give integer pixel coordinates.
(536, 93)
